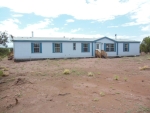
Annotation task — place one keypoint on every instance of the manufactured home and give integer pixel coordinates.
(28, 48)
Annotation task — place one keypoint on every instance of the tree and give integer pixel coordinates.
(4, 38)
(145, 45)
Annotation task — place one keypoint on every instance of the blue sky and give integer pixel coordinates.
(129, 19)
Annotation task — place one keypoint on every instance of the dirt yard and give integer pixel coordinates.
(118, 85)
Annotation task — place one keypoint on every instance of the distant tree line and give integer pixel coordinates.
(145, 45)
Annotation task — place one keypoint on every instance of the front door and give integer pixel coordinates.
(98, 46)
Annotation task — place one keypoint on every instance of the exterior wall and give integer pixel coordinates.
(22, 50)
(105, 40)
(134, 49)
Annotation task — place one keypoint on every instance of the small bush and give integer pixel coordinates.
(116, 77)
(1, 73)
(73, 71)
(4, 52)
(66, 71)
(102, 94)
(125, 79)
(90, 74)
(144, 68)
(95, 99)
(98, 73)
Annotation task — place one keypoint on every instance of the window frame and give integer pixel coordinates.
(125, 49)
(97, 45)
(36, 47)
(55, 49)
(85, 46)
(57, 46)
(74, 46)
(110, 48)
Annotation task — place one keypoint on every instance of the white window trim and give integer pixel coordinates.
(57, 48)
(109, 44)
(36, 47)
(74, 46)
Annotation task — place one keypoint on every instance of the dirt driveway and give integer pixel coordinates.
(118, 85)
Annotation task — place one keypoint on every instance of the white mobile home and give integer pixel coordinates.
(40, 48)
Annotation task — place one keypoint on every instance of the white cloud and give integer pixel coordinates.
(140, 15)
(39, 25)
(75, 30)
(100, 10)
(41, 29)
(146, 28)
(69, 20)
(112, 26)
(17, 15)
(9, 24)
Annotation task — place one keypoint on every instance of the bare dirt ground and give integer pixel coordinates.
(41, 87)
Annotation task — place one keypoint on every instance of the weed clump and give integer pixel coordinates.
(1, 73)
(125, 79)
(116, 77)
(98, 73)
(66, 72)
(90, 74)
(144, 68)
(102, 94)
(148, 58)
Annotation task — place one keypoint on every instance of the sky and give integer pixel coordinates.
(129, 19)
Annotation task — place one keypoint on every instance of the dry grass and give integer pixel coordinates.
(148, 58)
(102, 94)
(144, 68)
(90, 74)
(66, 72)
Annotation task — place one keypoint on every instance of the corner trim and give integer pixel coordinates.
(117, 48)
(92, 48)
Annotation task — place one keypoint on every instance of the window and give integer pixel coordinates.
(85, 47)
(74, 46)
(36, 47)
(125, 47)
(97, 46)
(57, 47)
(109, 47)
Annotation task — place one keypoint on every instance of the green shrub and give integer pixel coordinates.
(4, 52)
(116, 77)
(66, 71)
(1, 73)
